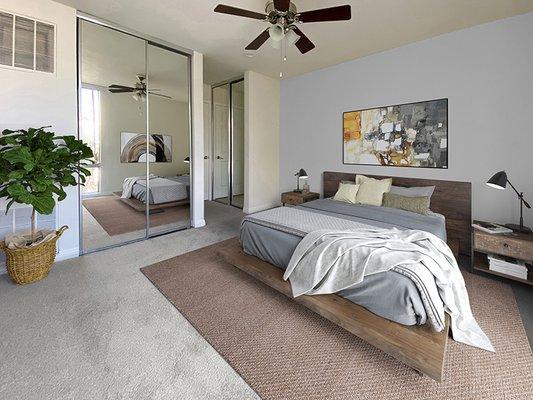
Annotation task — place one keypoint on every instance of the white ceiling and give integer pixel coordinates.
(376, 25)
(110, 57)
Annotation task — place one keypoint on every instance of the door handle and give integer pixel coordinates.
(219, 158)
(206, 157)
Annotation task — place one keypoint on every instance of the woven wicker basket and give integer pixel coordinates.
(31, 264)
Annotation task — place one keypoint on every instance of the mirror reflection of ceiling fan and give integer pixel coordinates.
(138, 91)
(283, 17)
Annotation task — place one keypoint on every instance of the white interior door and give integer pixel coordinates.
(221, 151)
(207, 150)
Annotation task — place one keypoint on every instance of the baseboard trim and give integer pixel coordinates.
(198, 223)
(60, 256)
(68, 253)
(261, 207)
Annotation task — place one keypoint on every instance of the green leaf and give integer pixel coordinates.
(17, 174)
(44, 203)
(18, 155)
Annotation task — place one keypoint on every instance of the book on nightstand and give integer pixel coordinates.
(490, 227)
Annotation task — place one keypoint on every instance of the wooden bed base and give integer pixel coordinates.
(416, 346)
(140, 206)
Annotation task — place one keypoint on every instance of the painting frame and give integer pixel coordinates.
(413, 103)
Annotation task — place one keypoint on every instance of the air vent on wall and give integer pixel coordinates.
(26, 43)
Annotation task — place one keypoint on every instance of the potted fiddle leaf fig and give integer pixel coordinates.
(35, 167)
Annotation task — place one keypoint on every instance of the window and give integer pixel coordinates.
(26, 43)
(90, 134)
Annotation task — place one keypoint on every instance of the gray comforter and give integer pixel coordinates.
(162, 190)
(389, 294)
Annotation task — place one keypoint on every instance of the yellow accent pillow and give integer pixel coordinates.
(371, 190)
(347, 192)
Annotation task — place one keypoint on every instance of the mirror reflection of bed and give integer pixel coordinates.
(120, 203)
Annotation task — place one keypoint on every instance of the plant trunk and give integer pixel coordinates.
(33, 224)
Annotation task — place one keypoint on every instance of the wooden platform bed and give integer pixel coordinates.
(416, 346)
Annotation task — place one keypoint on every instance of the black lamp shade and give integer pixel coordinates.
(498, 180)
(187, 160)
(302, 174)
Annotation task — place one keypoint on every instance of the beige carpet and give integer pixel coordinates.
(285, 351)
(117, 218)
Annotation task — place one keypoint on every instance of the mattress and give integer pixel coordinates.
(162, 190)
(388, 294)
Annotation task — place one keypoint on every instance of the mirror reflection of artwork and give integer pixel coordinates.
(406, 135)
(133, 148)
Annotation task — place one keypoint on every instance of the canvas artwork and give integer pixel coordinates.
(406, 135)
(133, 148)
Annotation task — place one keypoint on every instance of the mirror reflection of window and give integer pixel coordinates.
(90, 134)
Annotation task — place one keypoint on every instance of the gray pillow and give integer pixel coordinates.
(419, 205)
(415, 191)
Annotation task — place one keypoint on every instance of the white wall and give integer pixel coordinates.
(486, 72)
(120, 113)
(197, 156)
(261, 141)
(31, 99)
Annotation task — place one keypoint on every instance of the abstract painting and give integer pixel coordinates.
(405, 135)
(133, 148)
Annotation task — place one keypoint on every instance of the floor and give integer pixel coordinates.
(96, 328)
(95, 237)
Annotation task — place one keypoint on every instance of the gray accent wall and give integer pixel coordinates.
(486, 72)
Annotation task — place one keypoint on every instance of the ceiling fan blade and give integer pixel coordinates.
(121, 90)
(160, 95)
(303, 44)
(119, 87)
(340, 13)
(221, 8)
(258, 41)
(282, 5)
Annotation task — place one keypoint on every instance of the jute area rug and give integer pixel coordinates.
(284, 351)
(116, 217)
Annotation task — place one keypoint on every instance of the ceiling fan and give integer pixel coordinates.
(284, 16)
(139, 90)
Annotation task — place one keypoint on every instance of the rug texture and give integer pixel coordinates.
(116, 217)
(285, 351)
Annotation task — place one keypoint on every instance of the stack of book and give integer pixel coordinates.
(515, 268)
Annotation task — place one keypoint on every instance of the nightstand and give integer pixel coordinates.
(515, 245)
(294, 198)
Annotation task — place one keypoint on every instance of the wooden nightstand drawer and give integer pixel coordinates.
(505, 245)
(294, 198)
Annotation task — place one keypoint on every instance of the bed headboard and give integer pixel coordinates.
(451, 198)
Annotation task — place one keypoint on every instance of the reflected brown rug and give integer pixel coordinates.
(116, 217)
(284, 351)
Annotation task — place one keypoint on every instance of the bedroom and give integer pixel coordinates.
(206, 312)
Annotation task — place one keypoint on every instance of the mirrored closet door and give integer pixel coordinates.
(228, 143)
(134, 113)
(168, 124)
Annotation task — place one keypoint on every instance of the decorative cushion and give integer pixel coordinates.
(371, 190)
(415, 191)
(419, 205)
(347, 192)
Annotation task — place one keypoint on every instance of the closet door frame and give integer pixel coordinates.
(149, 40)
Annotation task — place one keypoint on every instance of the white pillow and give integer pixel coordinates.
(347, 192)
(371, 190)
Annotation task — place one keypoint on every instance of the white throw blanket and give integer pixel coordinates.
(327, 261)
(127, 185)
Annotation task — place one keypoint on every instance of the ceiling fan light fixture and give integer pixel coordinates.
(275, 43)
(276, 32)
(292, 37)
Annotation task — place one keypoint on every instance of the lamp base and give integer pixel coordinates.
(518, 229)
(297, 190)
